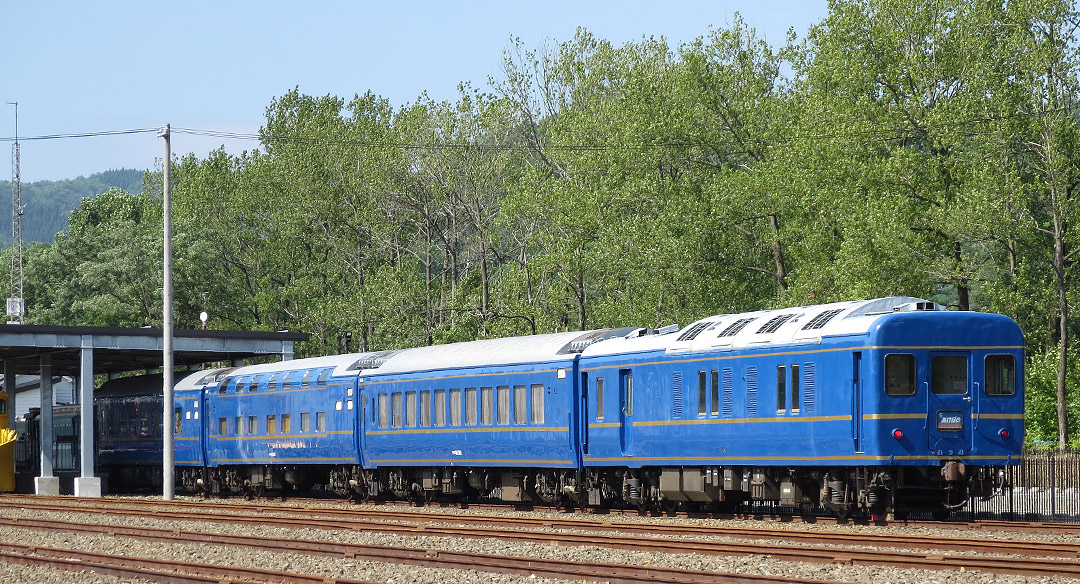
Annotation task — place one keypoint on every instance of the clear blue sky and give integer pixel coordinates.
(78, 67)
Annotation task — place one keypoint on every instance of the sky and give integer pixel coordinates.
(78, 67)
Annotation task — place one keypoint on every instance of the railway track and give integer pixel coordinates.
(399, 523)
(613, 573)
(797, 547)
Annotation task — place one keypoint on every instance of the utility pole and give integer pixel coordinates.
(168, 422)
(16, 307)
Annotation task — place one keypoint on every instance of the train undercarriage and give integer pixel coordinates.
(892, 491)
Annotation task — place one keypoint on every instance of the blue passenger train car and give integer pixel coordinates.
(880, 406)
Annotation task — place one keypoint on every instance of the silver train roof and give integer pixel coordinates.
(802, 324)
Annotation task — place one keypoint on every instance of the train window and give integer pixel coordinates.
(599, 398)
(384, 410)
(1000, 375)
(320, 422)
(425, 408)
(794, 388)
(702, 391)
(781, 389)
(471, 406)
(253, 425)
(537, 403)
(440, 407)
(521, 401)
(239, 425)
(455, 407)
(899, 374)
(272, 383)
(395, 408)
(487, 406)
(305, 422)
(271, 424)
(223, 427)
(224, 385)
(286, 383)
(504, 404)
(714, 387)
(286, 423)
(254, 385)
(949, 374)
(306, 381)
(178, 420)
(323, 376)
(410, 409)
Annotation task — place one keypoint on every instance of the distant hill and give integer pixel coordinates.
(48, 203)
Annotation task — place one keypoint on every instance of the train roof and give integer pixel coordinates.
(490, 352)
(800, 324)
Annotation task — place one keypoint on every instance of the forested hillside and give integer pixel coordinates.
(929, 149)
(47, 203)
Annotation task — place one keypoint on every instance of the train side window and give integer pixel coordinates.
(537, 403)
(714, 387)
(425, 408)
(384, 410)
(323, 375)
(395, 407)
(253, 425)
(224, 385)
(306, 381)
(455, 406)
(899, 374)
(949, 375)
(504, 404)
(702, 390)
(272, 383)
(440, 407)
(223, 427)
(254, 384)
(521, 401)
(487, 406)
(239, 425)
(410, 409)
(1000, 375)
(794, 388)
(599, 399)
(271, 424)
(286, 423)
(178, 420)
(320, 422)
(286, 383)
(470, 406)
(781, 389)
(305, 422)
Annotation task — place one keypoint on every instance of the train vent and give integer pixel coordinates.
(692, 332)
(677, 395)
(822, 319)
(728, 399)
(809, 387)
(734, 328)
(774, 323)
(751, 391)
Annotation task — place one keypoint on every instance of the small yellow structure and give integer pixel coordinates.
(7, 447)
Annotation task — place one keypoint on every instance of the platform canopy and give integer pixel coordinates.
(117, 350)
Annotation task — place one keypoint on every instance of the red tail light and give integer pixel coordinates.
(898, 433)
(1003, 433)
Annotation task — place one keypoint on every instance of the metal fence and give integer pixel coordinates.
(1045, 486)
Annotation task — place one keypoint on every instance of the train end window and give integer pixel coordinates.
(1000, 375)
(899, 374)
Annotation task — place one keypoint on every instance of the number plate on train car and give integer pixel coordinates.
(950, 421)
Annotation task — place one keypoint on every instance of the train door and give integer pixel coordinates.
(626, 416)
(949, 403)
(588, 412)
(856, 400)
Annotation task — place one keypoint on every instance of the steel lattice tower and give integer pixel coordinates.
(16, 309)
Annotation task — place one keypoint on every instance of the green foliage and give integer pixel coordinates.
(928, 149)
(46, 204)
